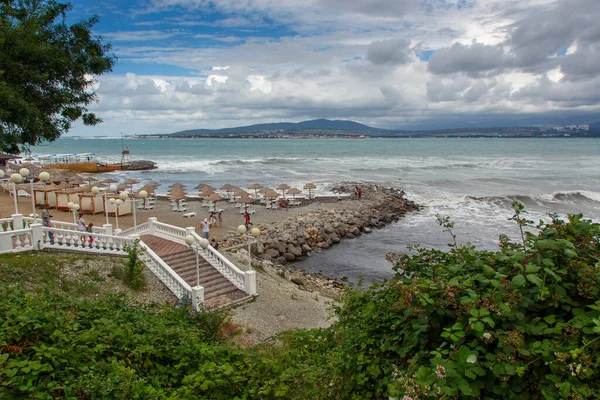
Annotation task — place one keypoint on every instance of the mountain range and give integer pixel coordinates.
(355, 127)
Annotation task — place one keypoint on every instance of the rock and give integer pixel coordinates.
(289, 257)
(306, 248)
(294, 250)
(368, 230)
(271, 253)
(297, 280)
(280, 247)
(260, 248)
(281, 260)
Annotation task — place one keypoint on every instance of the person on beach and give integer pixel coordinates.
(247, 220)
(47, 222)
(205, 228)
(212, 220)
(89, 229)
(359, 193)
(356, 191)
(214, 244)
(81, 226)
(220, 218)
(287, 204)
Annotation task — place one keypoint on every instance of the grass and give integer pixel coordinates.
(77, 275)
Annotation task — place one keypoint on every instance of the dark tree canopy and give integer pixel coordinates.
(46, 71)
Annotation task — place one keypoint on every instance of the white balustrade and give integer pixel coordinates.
(170, 232)
(138, 230)
(6, 224)
(167, 276)
(224, 266)
(64, 239)
(16, 241)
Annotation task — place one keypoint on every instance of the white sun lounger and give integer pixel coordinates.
(190, 214)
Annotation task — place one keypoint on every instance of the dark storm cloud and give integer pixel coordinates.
(474, 59)
(392, 51)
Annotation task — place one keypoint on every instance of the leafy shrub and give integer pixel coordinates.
(519, 323)
(132, 274)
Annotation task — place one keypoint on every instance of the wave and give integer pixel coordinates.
(570, 197)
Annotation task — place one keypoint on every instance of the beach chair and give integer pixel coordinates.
(182, 208)
(251, 211)
(149, 207)
(22, 193)
(190, 214)
(174, 208)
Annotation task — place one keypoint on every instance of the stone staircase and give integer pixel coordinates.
(218, 291)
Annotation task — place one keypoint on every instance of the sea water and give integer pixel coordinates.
(473, 181)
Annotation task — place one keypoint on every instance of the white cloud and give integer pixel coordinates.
(317, 59)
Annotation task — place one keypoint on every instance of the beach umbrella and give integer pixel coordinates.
(294, 192)
(201, 186)
(109, 181)
(130, 182)
(90, 179)
(245, 198)
(176, 185)
(255, 186)
(214, 197)
(76, 180)
(271, 194)
(310, 186)
(153, 184)
(206, 192)
(177, 195)
(264, 189)
(283, 187)
(227, 188)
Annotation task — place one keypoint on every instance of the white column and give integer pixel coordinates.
(197, 297)
(37, 236)
(190, 230)
(17, 221)
(151, 228)
(33, 202)
(250, 282)
(108, 229)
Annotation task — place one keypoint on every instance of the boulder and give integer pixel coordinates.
(289, 257)
(294, 250)
(271, 253)
(281, 260)
(306, 248)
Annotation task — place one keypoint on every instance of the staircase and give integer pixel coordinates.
(218, 291)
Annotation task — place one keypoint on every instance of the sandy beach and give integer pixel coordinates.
(231, 215)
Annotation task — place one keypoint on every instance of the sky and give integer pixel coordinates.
(392, 64)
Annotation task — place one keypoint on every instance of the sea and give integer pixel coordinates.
(472, 181)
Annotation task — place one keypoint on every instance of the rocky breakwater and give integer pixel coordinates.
(295, 237)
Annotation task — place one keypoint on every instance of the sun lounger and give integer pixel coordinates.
(190, 214)
(22, 193)
(149, 207)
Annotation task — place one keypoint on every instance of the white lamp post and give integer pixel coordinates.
(43, 176)
(123, 196)
(142, 195)
(116, 203)
(16, 178)
(196, 246)
(111, 188)
(254, 234)
(74, 209)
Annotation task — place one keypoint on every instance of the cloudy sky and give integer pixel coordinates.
(402, 64)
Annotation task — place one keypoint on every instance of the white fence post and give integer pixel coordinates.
(108, 229)
(17, 221)
(117, 232)
(151, 222)
(6, 243)
(197, 297)
(37, 236)
(250, 282)
(190, 230)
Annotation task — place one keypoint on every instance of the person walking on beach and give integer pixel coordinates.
(214, 244)
(81, 226)
(220, 218)
(247, 220)
(359, 193)
(205, 228)
(47, 222)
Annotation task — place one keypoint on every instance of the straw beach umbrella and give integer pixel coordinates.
(283, 187)
(176, 185)
(310, 186)
(294, 192)
(206, 192)
(130, 182)
(255, 186)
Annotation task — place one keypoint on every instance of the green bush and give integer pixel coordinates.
(132, 274)
(519, 323)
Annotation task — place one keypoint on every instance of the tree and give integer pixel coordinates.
(46, 71)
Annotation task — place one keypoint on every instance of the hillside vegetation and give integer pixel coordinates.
(522, 322)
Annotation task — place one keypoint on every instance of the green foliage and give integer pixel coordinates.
(45, 69)
(132, 273)
(523, 322)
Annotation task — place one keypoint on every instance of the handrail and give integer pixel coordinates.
(57, 238)
(15, 240)
(162, 270)
(223, 265)
(137, 230)
(171, 232)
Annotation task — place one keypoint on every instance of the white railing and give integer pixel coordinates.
(16, 241)
(167, 276)
(65, 236)
(64, 239)
(137, 230)
(245, 281)
(169, 232)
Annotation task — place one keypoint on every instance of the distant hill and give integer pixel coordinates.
(316, 124)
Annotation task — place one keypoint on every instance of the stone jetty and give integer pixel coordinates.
(295, 237)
